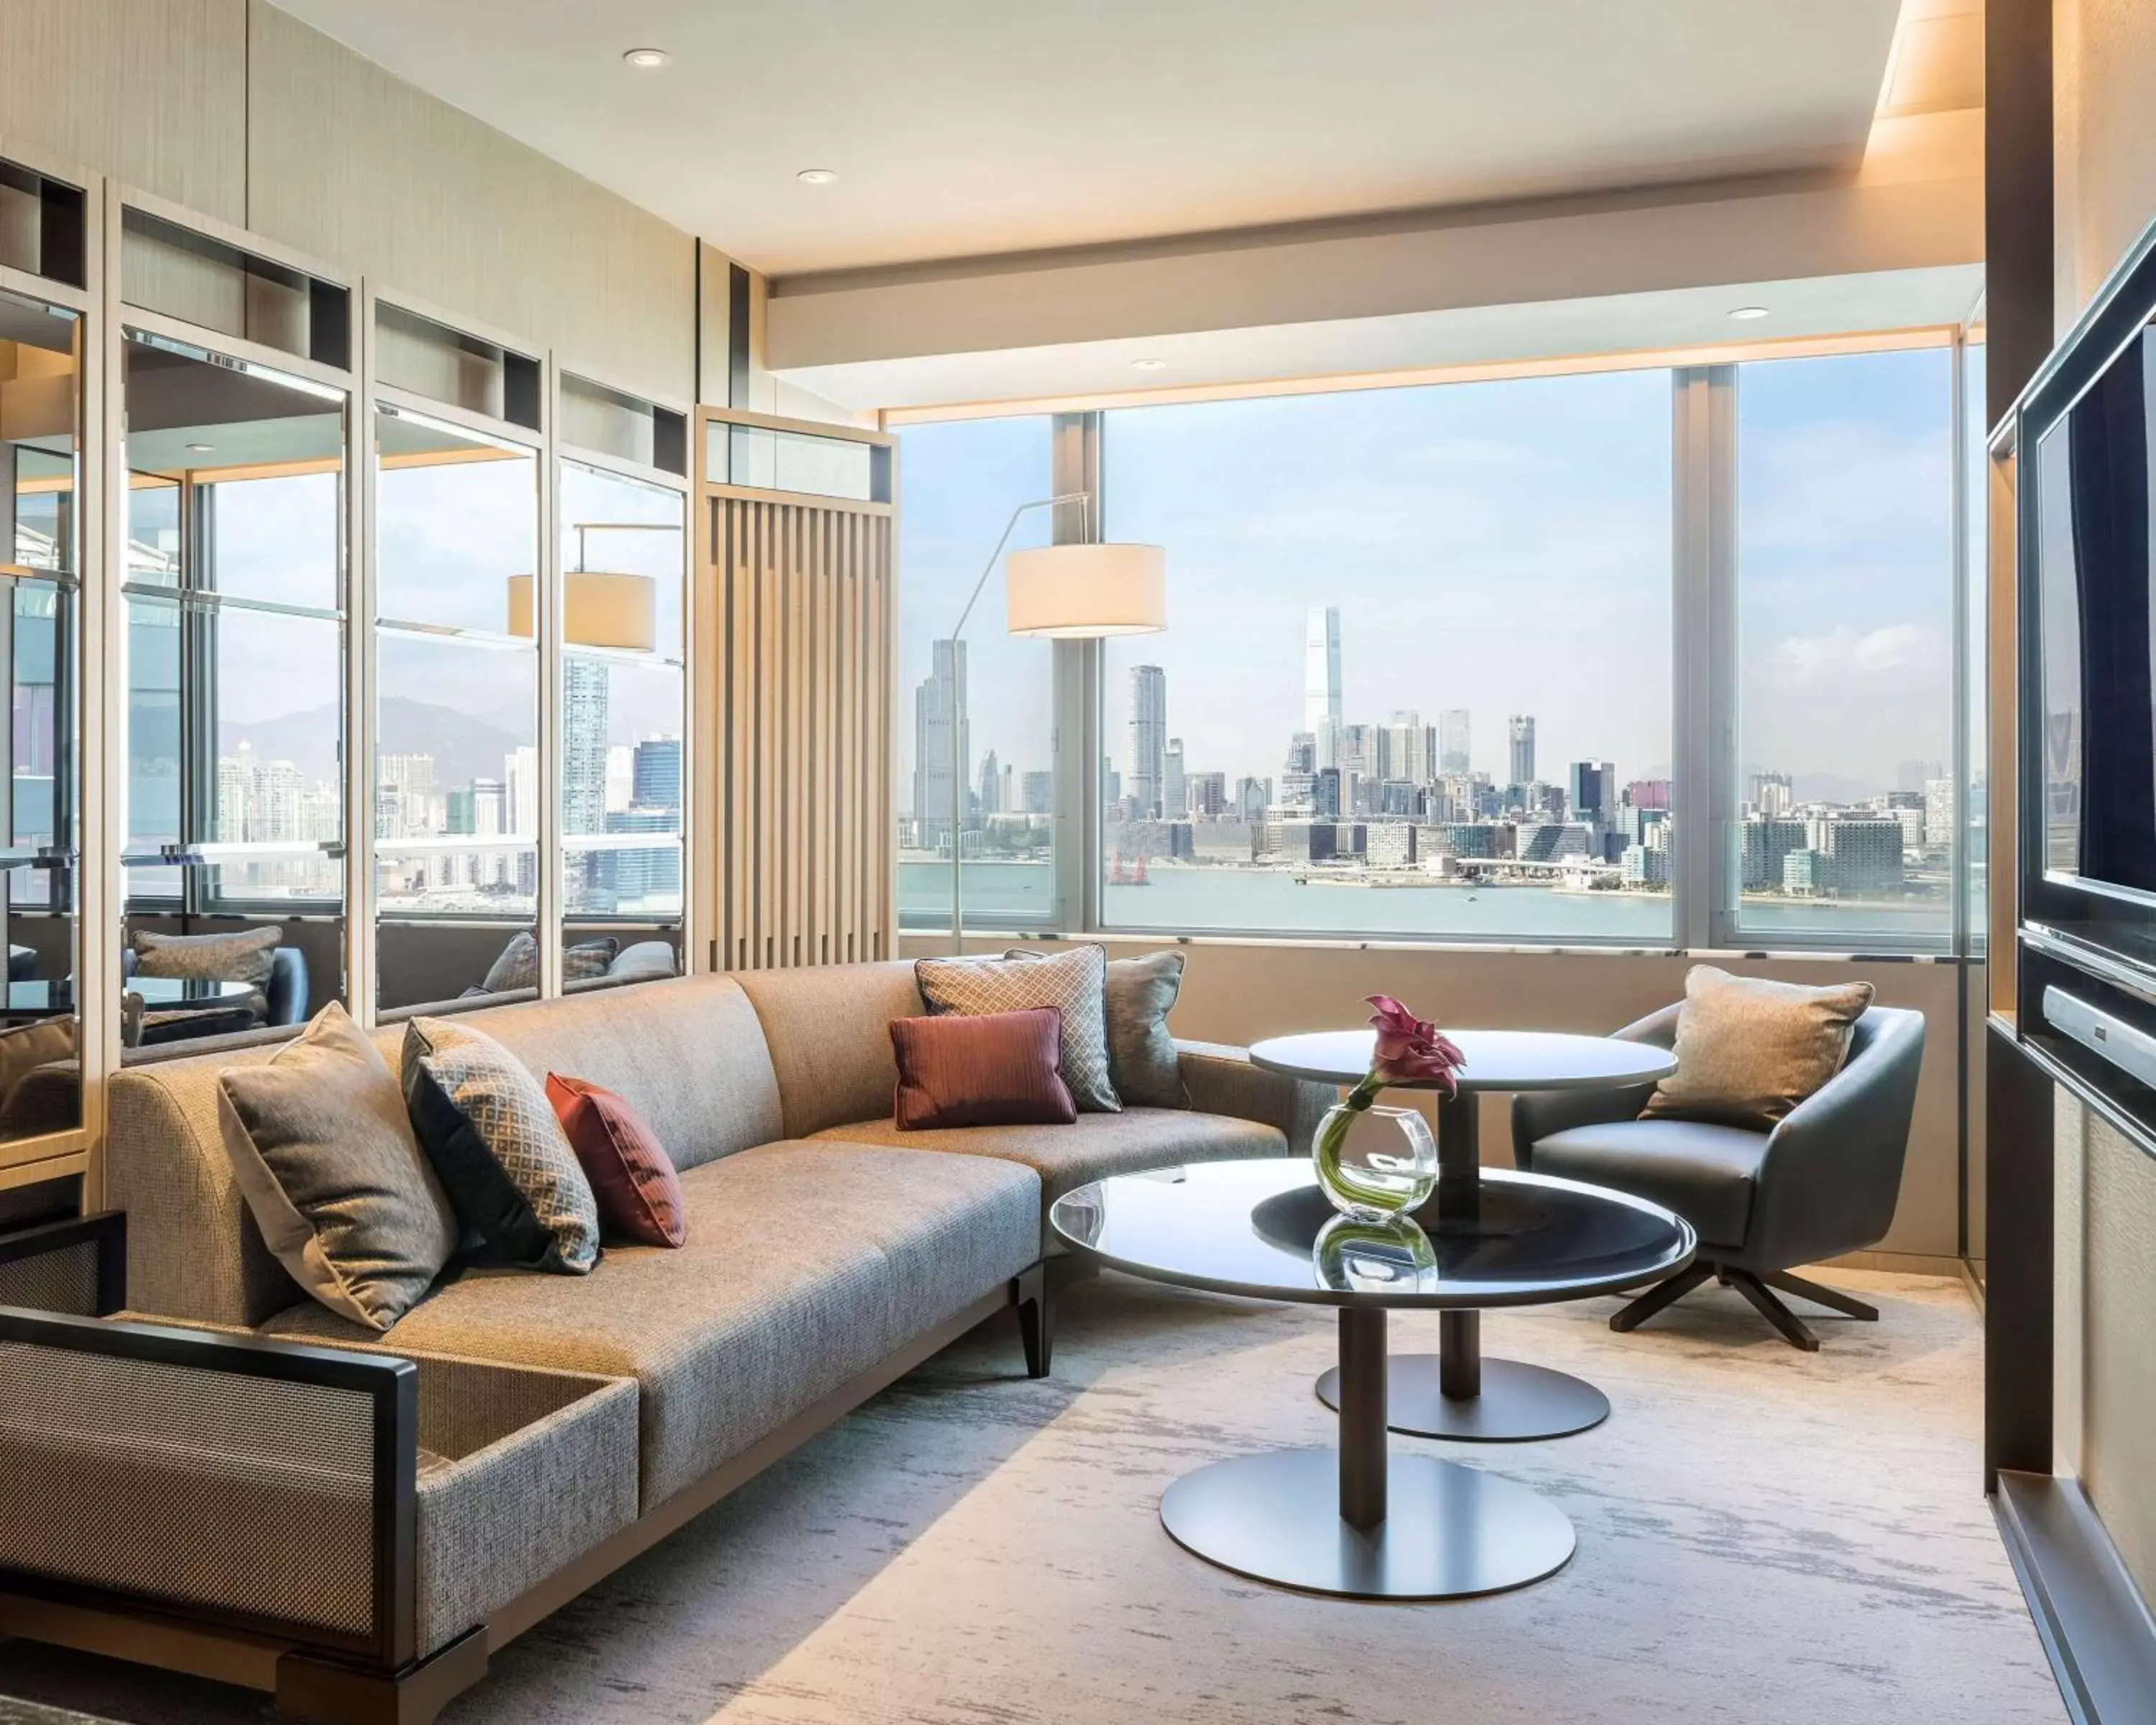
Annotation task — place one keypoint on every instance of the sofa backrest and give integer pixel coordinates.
(829, 1028)
(688, 1054)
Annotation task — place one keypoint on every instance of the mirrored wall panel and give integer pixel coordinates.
(232, 856)
(456, 765)
(40, 595)
(623, 697)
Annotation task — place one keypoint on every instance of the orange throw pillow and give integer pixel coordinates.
(638, 1194)
(984, 1069)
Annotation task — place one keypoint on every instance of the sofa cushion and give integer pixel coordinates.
(996, 1069)
(804, 1265)
(825, 1026)
(688, 1054)
(634, 1179)
(1750, 1048)
(1073, 982)
(1139, 994)
(1703, 1170)
(1093, 1146)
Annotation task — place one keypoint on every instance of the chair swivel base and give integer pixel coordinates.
(1757, 1286)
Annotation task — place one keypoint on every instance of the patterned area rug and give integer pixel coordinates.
(1765, 1537)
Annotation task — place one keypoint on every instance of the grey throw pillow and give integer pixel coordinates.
(1748, 1050)
(1140, 993)
(492, 1136)
(323, 1154)
(1075, 983)
(518, 965)
(246, 955)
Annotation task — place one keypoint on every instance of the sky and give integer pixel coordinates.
(1503, 546)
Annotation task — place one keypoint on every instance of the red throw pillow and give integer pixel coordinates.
(986, 1068)
(638, 1194)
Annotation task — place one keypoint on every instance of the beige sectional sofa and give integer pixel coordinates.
(518, 1435)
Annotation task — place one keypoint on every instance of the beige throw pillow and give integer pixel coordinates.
(324, 1155)
(1749, 1051)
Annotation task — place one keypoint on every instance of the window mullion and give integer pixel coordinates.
(1703, 539)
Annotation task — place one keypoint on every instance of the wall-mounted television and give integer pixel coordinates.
(2096, 629)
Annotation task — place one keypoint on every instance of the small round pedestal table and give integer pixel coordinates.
(1455, 1392)
(1354, 1520)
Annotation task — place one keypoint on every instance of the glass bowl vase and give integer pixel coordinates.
(1374, 1163)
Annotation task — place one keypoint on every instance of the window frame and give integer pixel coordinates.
(1706, 792)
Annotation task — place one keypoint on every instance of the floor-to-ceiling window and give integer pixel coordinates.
(977, 709)
(1845, 647)
(1417, 674)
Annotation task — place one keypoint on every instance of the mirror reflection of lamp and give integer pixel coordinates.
(600, 608)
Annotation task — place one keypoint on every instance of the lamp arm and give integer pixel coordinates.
(957, 773)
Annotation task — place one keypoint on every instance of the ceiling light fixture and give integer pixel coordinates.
(1747, 313)
(1149, 364)
(645, 59)
(817, 176)
(201, 448)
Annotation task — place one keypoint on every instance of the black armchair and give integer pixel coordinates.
(1822, 1182)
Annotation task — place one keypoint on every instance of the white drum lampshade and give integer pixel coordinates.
(600, 609)
(1083, 592)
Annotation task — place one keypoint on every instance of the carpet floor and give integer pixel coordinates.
(1765, 1537)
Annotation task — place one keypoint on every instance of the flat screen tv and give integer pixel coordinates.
(2096, 629)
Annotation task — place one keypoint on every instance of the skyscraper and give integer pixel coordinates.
(1452, 741)
(1174, 794)
(1592, 789)
(1407, 751)
(1037, 794)
(1321, 678)
(934, 758)
(1148, 739)
(584, 716)
(655, 773)
(992, 785)
(1523, 748)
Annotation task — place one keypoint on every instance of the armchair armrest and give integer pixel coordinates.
(1221, 1080)
(265, 1486)
(1537, 1116)
(1832, 1172)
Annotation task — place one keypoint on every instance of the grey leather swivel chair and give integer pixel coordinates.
(1824, 1182)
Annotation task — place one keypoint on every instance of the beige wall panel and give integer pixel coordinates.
(350, 165)
(2118, 1347)
(151, 91)
(1238, 993)
(2104, 118)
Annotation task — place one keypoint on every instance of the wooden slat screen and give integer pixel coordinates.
(806, 858)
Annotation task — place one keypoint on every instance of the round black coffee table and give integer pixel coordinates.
(1354, 1521)
(1455, 1392)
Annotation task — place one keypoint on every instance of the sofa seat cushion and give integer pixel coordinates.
(1704, 1172)
(804, 1265)
(1092, 1147)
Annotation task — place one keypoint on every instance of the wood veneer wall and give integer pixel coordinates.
(804, 598)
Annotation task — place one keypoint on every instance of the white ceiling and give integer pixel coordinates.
(962, 127)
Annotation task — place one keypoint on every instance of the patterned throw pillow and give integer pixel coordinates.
(492, 1136)
(322, 1151)
(518, 965)
(1075, 983)
(1142, 1064)
(986, 1068)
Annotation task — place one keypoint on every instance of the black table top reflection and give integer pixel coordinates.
(1503, 1060)
(1264, 1230)
(38, 996)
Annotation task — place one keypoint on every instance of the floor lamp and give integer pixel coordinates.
(1060, 593)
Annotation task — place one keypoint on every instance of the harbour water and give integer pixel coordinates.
(1191, 901)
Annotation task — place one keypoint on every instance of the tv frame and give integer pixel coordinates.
(2104, 928)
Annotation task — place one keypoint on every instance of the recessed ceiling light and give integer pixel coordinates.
(201, 448)
(817, 176)
(1747, 313)
(1149, 364)
(645, 59)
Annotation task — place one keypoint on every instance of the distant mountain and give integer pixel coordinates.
(464, 748)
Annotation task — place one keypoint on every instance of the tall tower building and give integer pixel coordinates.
(1523, 762)
(584, 702)
(1148, 739)
(1407, 753)
(1320, 679)
(992, 785)
(1174, 791)
(1594, 791)
(1452, 741)
(935, 758)
(654, 774)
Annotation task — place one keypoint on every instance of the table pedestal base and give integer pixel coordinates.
(1449, 1531)
(1517, 1402)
